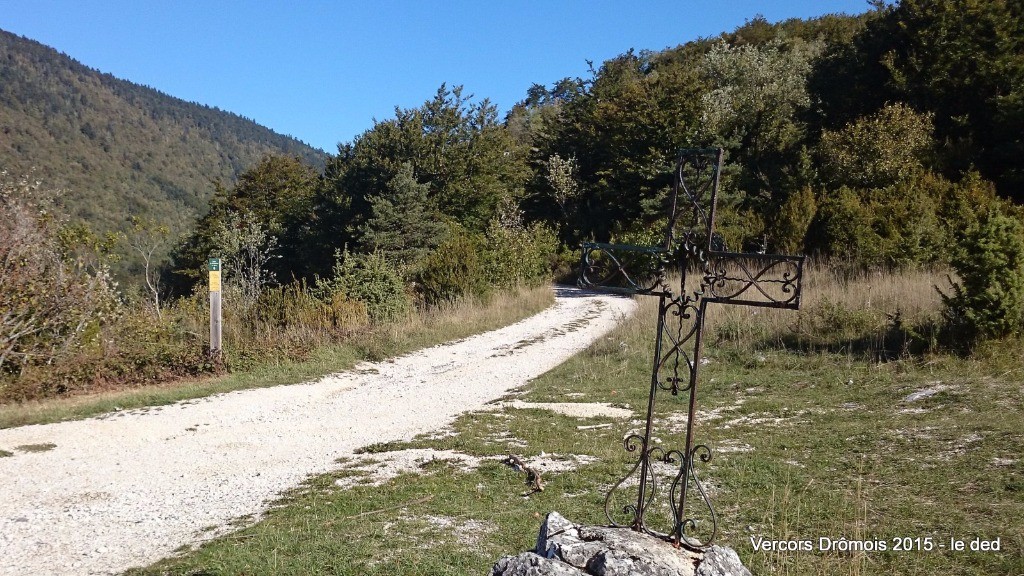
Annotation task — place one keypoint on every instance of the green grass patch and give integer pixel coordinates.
(379, 448)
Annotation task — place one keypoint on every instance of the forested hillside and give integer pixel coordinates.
(116, 149)
(843, 136)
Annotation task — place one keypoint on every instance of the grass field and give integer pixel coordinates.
(836, 422)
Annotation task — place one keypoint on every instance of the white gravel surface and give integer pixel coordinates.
(129, 488)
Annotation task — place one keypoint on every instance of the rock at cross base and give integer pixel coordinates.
(720, 561)
(567, 549)
(529, 564)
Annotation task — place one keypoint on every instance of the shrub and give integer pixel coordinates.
(132, 349)
(988, 301)
(894, 226)
(516, 254)
(370, 279)
(49, 303)
(295, 305)
(793, 220)
(843, 227)
(879, 150)
(454, 269)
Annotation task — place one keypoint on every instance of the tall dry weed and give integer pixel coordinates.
(876, 314)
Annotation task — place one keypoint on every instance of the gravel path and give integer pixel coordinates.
(129, 488)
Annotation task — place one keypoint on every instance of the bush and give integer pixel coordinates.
(51, 303)
(370, 279)
(879, 150)
(518, 255)
(792, 222)
(295, 305)
(988, 301)
(133, 349)
(455, 269)
(899, 225)
(842, 227)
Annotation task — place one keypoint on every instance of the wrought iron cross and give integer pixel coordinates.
(709, 274)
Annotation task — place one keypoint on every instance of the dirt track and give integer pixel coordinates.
(128, 488)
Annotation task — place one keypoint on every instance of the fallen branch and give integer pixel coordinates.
(533, 478)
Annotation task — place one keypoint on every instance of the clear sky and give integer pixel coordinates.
(322, 71)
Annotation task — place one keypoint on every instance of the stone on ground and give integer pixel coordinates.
(564, 548)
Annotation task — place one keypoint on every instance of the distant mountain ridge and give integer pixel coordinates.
(117, 148)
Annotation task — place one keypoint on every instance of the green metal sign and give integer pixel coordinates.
(214, 264)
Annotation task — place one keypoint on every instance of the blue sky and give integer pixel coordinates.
(322, 71)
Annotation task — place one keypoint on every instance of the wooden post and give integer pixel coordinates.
(215, 313)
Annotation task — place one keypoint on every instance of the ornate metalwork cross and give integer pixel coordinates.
(709, 274)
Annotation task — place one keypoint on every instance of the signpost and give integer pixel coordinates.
(708, 274)
(215, 314)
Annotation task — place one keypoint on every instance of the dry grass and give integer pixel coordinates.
(464, 318)
(878, 314)
(471, 315)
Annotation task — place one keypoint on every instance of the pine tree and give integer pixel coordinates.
(404, 225)
(988, 301)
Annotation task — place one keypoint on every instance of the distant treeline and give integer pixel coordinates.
(878, 140)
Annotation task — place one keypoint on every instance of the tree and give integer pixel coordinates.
(246, 248)
(758, 93)
(622, 131)
(885, 148)
(457, 149)
(403, 225)
(964, 60)
(874, 175)
(277, 194)
(531, 119)
(148, 239)
(793, 221)
(961, 60)
(561, 176)
(988, 299)
(897, 225)
(277, 189)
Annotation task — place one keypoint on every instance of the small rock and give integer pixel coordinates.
(922, 394)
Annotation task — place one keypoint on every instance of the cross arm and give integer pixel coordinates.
(764, 280)
(623, 268)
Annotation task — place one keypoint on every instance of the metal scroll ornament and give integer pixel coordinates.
(708, 274)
